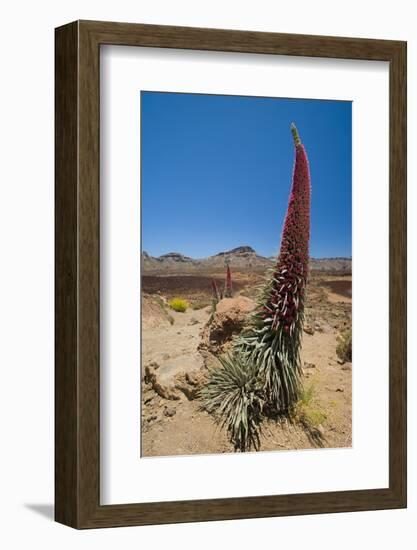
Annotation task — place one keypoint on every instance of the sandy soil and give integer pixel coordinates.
(176, 343)
(179, 427)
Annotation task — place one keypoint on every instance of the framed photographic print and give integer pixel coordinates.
(230, 274)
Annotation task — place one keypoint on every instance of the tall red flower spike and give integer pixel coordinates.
(228, 289)
(262, 375)
(273, 341)
(216, 293)
(290, 275)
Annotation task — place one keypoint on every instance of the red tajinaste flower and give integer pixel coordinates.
(290, 276)
(263, 372)
(228, 288)
(274, 340)
(216, 293)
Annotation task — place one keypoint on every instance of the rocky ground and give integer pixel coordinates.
(177, 347)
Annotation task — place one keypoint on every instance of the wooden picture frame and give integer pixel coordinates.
(77, 374)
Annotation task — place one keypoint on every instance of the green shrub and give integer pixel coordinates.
(307, 409)
(344, 346)
(307, 412)
(234, 394)
(177, 304)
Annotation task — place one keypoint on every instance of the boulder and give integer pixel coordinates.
(190, 383)
(161, 379)
(154, 314)
(181, 376)
(229, 319)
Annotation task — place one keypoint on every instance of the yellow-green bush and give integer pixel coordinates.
(177, 304)
(307, 410)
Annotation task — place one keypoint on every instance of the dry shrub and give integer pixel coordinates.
(344, 346)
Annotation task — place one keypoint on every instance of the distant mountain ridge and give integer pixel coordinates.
(241, 257)
(238, 250)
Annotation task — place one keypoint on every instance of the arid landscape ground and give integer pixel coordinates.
(177, 347)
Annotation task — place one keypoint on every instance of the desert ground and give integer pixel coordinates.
(177, 348)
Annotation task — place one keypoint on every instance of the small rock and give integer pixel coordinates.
(309, 330)
(193, 321)
(151, 418)
(166, 356)
(170, 411)
(190, 383)
(321, 430)
(309, 365)
(150, 370)
(318, 328)
(340, 389)
(347, 366)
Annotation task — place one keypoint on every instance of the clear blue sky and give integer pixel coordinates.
(216, 172)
